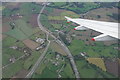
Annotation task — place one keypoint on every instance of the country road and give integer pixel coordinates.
(38, 63)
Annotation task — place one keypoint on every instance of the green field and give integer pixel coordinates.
(82, 7)
(24, 27)
(47, 67)
(59, 4)
(99, 50)
(12, 69)
(89, 71)
(8, 52)
(50, 10)
(76, 6)
(16, 33)
(45, 18)
(85, 72)
(29, 62)
(24, 9)
(68, 72)
(37, 33)
(56, 26)
(21, 31)
(46, 74)
(62, 15)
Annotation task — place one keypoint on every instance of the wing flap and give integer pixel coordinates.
(103, 37)
(81, 28)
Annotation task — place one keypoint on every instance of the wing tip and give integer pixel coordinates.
(93, 39)
(67, 17)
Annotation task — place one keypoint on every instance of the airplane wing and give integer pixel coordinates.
(109, 29)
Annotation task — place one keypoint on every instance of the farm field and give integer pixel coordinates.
(21, 31)
(17, 36)
(82, 7)
(84, 69)
(7, 52)
(31, 44)
(54, 66)
(92, 51)
(58, 48)
(90, 71)
(21, 35)
(112, 66)
(98, 62)
(25, 63)
(62, 14)
(16, 33)
(104, 16)
(76, 7)
(55, 19)
(7, 73)
(25, 28)
(29, 62)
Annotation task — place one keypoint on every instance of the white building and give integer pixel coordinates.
(12, 60)
(14, 47)
(39, 40)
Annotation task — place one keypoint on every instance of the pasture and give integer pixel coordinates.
(58, 48)
(99, 50)
(48, 67)
(21, 31)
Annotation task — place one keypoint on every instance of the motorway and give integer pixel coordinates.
(74, 67)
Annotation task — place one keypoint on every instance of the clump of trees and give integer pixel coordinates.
(63, 37)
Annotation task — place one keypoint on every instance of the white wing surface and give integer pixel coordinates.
(109, 29)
